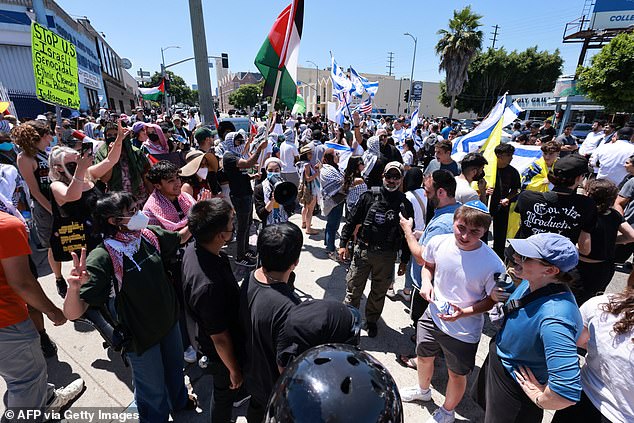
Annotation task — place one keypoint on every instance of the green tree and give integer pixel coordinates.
(493, 72)
(178, 89)
(457, 47)
(247, 95)
(609, 80)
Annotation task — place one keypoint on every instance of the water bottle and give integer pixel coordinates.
(203, 362)
(26, 214)
(504, 281)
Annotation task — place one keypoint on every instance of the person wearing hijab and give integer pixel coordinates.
(374, 162)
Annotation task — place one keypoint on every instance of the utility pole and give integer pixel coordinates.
(411, 78)
(390, 62)
(495, 35)
(200, 56)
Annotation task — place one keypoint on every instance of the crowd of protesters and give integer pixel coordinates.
(144, 206)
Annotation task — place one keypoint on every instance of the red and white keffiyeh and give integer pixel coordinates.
(128, 244)
(163, 213)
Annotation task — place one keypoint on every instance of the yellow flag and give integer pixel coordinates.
(488, 151)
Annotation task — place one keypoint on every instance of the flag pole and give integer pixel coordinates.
(273, 99)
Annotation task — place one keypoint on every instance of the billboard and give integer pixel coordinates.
(609, 14)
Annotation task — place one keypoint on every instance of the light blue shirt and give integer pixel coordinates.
(543, 337)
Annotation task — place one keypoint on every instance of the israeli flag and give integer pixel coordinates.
(414, 122)
(340, 82)
(357, 83)
(511, 113)
(475, 139)
(369, 87)
(344, 153)
(524, 155)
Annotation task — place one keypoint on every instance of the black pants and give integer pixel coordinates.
(500, 226)
(223, 397)
(583, 411)
(501, 397)
(593, 279)
(256, 411)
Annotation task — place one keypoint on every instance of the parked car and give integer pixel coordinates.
(581, 130)
(238, 122)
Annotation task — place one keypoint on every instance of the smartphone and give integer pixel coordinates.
(124, 124)
(86, 146)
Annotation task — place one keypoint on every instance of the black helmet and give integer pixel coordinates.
(335, 383)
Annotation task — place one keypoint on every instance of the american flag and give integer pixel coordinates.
(365, 107)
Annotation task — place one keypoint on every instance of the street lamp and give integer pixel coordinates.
(316, 81)
(411, 79)
(163, 72)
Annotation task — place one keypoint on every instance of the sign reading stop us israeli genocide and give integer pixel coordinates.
(54, 68)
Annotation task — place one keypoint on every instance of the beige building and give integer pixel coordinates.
(316, 87)
(229, 82)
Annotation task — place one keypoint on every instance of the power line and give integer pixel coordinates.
(390, 62)
(495, 35)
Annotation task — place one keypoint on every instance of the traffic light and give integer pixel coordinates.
(318, 99)
(225, 60)
(406, 96)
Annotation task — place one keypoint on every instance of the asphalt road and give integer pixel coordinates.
(108, 381)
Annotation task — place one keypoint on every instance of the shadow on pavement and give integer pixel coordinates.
(60, 373)
(115, 365)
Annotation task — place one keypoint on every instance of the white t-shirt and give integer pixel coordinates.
(611, 159)
(288, 152)
(464, 192)
(609, 370)
(591, 142)
(408, 158)
(419, 214)
(462, 278)
(399, 135)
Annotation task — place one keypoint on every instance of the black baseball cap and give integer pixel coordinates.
(571, 166)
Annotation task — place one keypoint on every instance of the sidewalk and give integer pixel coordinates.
(108, 381)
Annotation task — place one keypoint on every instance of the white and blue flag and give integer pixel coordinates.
(369, 87)
(511, 113)
(524, 155)
(343, 151)
(475, 139)
(358, 88)
(340, 82)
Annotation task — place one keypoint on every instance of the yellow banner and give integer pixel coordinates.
(54, 68)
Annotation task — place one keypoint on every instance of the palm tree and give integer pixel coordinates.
(457, 47)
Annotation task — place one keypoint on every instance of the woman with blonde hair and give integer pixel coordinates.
(74, 196)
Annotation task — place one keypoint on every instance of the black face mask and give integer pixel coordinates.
(110, 140)
(153, 137)
(71, 167)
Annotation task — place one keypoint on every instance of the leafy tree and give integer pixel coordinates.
(178, 89)
(610, 79)
(457, 47)
(247, 95)
(493, 72)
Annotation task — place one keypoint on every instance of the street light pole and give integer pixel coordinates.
(202, 65)
(316, 82)
(163, 74)
(411, 79)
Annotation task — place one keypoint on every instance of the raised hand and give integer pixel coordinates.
(78, 274)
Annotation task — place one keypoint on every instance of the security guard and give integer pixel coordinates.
(379, 240)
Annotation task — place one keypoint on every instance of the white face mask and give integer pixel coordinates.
(202, 172)
(138, 221)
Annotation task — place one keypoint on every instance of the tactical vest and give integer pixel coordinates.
(381, 230)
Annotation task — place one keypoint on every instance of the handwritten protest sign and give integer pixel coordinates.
(55, 68)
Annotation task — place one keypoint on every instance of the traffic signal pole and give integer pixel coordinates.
(202, 66)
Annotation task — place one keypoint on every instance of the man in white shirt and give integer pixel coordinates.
(610, 157)
(593, 139)
(398, 133)
(289, 154)
(472, 167)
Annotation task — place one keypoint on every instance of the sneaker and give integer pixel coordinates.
(190, 355)
(62, 288)
(414, 393)
(391, 294)
(251, 255)
(442, 416)
(49, 349)
(62, 397)
(406, 297)
(372, 329)
(244, 261)
(239, 402)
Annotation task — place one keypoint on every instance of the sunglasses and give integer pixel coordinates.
(392, 176)
(522, 259)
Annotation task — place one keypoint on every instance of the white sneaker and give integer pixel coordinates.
(63, 396)
(441, 416)
(190, 355)
(414, 393)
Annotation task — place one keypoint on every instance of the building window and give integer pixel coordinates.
(121, 106)
(112, 104)
(132, 106)
(93, 99)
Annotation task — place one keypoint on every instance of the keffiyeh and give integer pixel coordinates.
(127, 244)
(371, 155)
(162, 211)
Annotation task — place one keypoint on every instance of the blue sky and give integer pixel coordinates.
(359, 33)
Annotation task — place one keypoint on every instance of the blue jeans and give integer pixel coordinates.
(243, 206)
(159, 384)
(332, 224)
(23, 368)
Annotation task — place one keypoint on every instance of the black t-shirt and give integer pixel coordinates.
(391, 153)
(548, 131)
(212, 297)
(263, 311)
(239, 180)
(555, 212)
(603, 236)
(507, 179)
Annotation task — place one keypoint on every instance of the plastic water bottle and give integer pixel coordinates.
(203, 362)
(504, 281)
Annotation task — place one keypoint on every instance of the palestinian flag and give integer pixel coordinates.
(300, 104)
(280, 51)
(153, 93)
